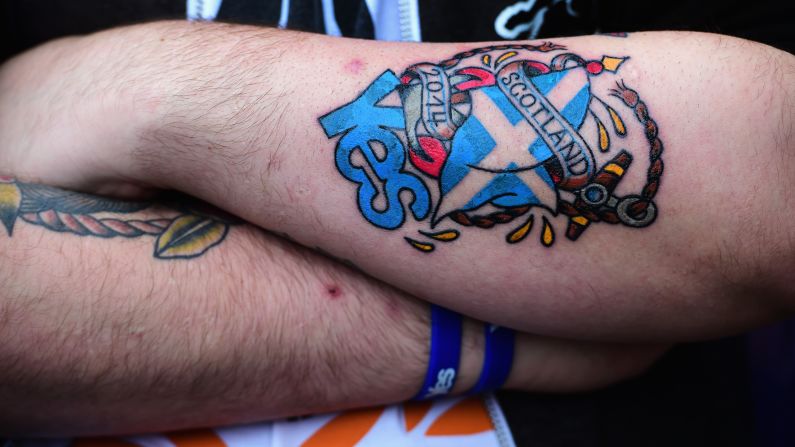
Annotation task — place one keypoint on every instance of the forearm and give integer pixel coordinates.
(100, 336)
(124, 318)
(231, 115)
(699, 259)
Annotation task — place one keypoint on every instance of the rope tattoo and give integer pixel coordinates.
(498, 135)
(187, 234)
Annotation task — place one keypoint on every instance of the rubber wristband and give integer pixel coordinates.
(497, 359)
(445, 353)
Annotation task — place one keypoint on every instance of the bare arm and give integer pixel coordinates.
(681, 146)
(124, 317)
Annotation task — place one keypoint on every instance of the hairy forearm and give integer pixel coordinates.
(231, 114)
(223, 324)
(124, 317)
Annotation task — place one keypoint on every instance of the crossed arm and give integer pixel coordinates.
(648, 197)
(130, 317)
(244, 118)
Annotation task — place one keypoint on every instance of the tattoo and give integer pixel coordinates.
(495, 134)
(182, 231)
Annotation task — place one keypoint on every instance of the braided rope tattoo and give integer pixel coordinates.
(186, 234)
(495, 134)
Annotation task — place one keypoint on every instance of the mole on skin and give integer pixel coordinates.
(333, 291)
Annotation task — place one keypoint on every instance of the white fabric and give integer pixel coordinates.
(203, 9)
(329, 19)
(396, 20)
(393, 20)
(284, 14)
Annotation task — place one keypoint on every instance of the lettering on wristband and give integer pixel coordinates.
(444, 383)
(497, 136)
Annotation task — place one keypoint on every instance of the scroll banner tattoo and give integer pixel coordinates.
(494, 134)
(188, 234)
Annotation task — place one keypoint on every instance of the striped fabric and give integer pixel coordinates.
(393, 20)
(203, 9)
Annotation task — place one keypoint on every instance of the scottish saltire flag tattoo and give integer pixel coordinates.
(497, 134)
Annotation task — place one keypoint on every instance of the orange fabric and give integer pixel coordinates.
(196, 438)
(447, 422)
(464, 418)
(413, 412)
(345, 430)
(101, 442)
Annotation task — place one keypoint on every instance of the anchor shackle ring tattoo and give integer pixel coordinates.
(623, 209)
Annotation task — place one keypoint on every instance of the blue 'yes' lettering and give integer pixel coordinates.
(363, 121)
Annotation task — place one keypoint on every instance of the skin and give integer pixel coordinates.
(229, 114)
(99, 337)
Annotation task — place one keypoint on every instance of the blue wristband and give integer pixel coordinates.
(445, 352)
(497, 359)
